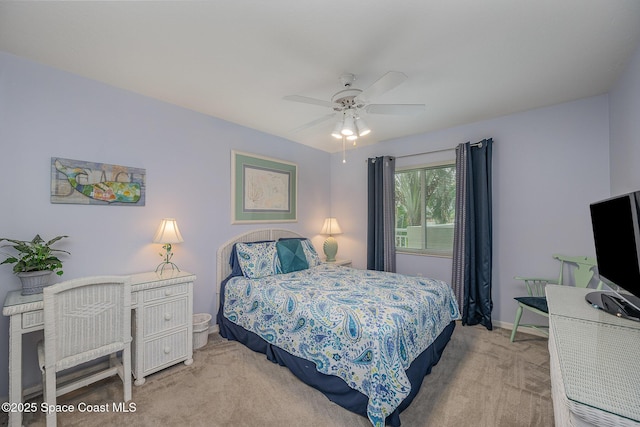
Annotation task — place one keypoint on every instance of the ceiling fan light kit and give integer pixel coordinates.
(351, 126)
(350, 101)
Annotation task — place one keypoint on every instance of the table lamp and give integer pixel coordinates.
(330, 246)
(167, 234)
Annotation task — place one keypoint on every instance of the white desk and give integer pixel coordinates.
(161, 326)
(595, 362)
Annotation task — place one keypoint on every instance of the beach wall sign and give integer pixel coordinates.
(91, 183)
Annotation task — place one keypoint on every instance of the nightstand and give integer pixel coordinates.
(341, 262)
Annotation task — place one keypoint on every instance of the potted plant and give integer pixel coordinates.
(34, 263)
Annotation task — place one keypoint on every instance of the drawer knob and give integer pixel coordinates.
(167, 292)
(167, 350)
(167, 316)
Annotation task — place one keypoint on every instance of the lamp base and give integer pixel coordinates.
(167, 256)
(330, 248)
(164, 265)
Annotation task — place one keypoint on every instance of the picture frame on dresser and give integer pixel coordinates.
(263, 189)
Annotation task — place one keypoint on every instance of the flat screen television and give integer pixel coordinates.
(616, 234)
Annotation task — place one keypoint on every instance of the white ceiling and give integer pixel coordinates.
(466, 60)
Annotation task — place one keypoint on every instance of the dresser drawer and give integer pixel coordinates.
(165, 292)
(32, 318)
(165, 351)
(165, 316)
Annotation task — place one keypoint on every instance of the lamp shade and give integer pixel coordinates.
(168, 232)
(349, 127)
(331, 227)
(362, 127)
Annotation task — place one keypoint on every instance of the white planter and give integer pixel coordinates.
(34, 281)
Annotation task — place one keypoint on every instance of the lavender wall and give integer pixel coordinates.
(624, 100)
(48, 113)
(548, 165)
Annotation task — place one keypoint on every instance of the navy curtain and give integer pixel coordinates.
(381, 247)
(473, 244)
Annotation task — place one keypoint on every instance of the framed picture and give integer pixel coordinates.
(262, 189)
(91, 183)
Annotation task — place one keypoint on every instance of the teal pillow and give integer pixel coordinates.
(309, 251)
(291, 256)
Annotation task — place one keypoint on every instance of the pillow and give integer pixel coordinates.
(258, 259)
(312, 256)
(292, 257)
(309, 251)
(236, 269)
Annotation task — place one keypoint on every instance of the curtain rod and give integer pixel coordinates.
(476, 144)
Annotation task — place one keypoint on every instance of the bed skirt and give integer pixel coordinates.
(334, 388)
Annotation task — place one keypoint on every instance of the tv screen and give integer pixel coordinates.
(616, 234)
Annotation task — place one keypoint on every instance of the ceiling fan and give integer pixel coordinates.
(349, 102)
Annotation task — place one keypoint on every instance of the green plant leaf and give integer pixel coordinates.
(34, 255)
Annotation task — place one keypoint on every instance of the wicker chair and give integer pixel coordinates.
(85, 319)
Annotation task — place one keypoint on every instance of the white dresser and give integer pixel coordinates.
(161, 326)
(595, 362)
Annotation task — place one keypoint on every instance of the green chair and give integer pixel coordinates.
(536, 301)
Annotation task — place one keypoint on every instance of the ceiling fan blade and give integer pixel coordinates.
(382, 85)
(397, 109)
(313, 123)
(307, 100)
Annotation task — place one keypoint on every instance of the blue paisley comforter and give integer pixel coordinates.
(363, 326)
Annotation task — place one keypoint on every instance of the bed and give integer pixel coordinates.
(365, 339)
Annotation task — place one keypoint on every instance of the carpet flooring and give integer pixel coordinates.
(481, 380)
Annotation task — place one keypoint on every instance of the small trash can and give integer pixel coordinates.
(200, 329)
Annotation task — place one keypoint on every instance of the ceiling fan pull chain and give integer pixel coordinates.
(344, 149)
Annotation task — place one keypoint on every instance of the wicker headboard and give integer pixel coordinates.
(223, 269)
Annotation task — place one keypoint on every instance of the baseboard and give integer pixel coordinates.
(214, 329)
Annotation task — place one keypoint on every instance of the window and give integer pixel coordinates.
(425, 209)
